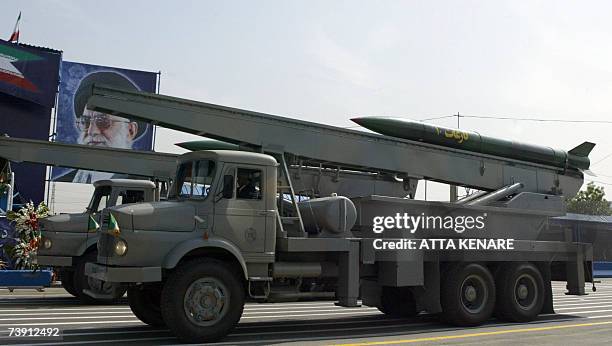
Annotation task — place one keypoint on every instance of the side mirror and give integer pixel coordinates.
(228, 186)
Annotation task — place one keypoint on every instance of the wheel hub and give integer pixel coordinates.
(474, 294)
(470, 293)
(522, 292)
(206, 301)
(526, 291)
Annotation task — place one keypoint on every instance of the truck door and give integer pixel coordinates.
(100, 201)
(242, 218)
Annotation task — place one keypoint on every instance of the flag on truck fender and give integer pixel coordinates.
(92, 225)
(15, 35)
(113, 226)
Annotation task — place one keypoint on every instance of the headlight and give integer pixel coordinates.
(47, 243)
(120, 247)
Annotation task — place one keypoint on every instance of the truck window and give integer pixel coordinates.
(203, 178)
(248, 184)
(184, 179)
(130, 196)
(100, 198)
(195, 179)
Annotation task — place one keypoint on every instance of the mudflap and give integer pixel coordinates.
(547, 308)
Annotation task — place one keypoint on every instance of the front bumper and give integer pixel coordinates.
(123, 274)
(54, 261)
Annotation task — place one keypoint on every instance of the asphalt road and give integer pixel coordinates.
(582, 320)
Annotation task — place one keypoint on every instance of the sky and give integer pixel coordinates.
(328, 61)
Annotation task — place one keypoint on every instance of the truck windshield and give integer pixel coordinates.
(195, 178)
(100, 199)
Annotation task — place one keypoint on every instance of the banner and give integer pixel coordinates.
(76, 124)
(25, 119)
(28, 85)
(29, 73)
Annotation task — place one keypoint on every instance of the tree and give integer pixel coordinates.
(590, 201)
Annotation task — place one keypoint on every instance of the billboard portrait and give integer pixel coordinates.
(76, 124)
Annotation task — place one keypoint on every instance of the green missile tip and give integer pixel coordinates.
(207, 144)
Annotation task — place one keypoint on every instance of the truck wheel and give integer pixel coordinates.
(202, 300)
(467, 295)
(84, 282)
(520, 292)
(67, 279)
(397, 302)
(144, 302)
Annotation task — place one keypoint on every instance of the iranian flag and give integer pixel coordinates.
(9, 73)
(15, 34)
(113, 226)
(92, 225)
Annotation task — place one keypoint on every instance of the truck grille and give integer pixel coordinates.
(105, 245)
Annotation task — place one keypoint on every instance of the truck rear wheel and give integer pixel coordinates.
(397, 302)
(520, 292)
(467, 295)
(67, 279)
(84, 282)
(202, 300)
(144, 302)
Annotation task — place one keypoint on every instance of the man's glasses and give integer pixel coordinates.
(102, 122)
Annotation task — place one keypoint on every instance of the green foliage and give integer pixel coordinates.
(28, 230)
(590, 201)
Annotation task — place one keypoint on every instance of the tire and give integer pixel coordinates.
(83, 282)
(467, 295)
(67, 279)
(520, 292)
(145, 304)
(207, 279)
(397, 302)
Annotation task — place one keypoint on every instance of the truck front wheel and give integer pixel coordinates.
(467, 295)
(82, 282)
(144, 302)
(397, 302)
(67, 279)
(202, 300)
(520, 292)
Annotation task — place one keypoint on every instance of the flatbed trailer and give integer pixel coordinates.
(217, 246)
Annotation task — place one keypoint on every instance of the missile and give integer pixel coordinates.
(576, 158)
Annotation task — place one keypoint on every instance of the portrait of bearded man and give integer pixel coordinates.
(101, 129)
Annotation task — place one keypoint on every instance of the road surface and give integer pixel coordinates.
(582, 320)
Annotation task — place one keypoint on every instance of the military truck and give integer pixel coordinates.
(224, 235)
(68, 240)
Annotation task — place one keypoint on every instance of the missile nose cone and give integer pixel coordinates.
(367, 122)
(359, 120)
(207, 144)
(376, 124)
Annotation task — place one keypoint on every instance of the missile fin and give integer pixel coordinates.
(583, 149)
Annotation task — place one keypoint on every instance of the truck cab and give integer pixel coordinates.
(222, 201)
(69, 240)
